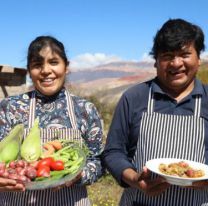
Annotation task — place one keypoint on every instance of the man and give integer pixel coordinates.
(162, 118)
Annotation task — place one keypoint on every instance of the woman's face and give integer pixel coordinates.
(48, 72)
(177, 70)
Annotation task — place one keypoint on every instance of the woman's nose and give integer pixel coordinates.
(45, 69)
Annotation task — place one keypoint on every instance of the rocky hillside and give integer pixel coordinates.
(109, 81)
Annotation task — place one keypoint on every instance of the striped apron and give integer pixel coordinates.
(169, 136)
(67, 196)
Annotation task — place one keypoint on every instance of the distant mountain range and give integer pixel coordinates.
(111, 70)
(109, 81)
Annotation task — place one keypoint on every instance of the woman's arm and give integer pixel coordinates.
(5, 121)
(93, 138)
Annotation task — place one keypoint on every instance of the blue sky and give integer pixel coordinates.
(93, 31)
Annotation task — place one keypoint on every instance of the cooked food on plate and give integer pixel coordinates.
(180, 169)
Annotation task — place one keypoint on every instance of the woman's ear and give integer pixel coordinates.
(28, 73)
(67, 67)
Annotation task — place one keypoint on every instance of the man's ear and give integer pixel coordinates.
(199, 62)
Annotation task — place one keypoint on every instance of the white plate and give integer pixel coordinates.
(153, 165)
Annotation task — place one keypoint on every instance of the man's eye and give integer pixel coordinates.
(166, 57)
(185, 55)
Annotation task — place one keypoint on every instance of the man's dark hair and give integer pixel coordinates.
(174, 34)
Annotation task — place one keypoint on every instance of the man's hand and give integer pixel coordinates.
(200, 185)
(143, 182)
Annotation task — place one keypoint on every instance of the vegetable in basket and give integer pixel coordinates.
(10, 145)
(31, 147)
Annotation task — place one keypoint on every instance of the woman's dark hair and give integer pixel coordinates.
(42, 42)
(174, 34)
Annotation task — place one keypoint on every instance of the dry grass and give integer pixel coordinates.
(106, 192)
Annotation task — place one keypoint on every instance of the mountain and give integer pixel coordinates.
(111, 70)
(109, 81)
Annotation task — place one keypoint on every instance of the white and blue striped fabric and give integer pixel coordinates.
(169, 136)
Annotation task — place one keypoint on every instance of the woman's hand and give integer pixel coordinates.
(7, 185)
(143, 182)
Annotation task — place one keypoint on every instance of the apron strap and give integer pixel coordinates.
(150, 105)
(32, 111)
(70, 108)
(197, 110)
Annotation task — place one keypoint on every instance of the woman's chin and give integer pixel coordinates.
(49, 91)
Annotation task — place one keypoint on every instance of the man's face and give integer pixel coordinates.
(176, 70)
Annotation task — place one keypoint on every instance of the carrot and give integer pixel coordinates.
(56, 144)
(49, 150)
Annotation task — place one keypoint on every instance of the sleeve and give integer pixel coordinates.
(5, 121)
(93, 139)
(115, 155)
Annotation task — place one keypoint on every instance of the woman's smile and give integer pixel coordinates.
(47, 81)
(49, 73)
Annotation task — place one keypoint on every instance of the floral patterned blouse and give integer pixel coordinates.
(52, 112)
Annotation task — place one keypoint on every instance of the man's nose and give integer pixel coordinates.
(177, 61)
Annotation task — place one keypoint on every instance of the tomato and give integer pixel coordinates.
(190, 173)
(45, 162)
(57, 165)
(43, 171)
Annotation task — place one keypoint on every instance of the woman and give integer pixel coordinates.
(60, 113)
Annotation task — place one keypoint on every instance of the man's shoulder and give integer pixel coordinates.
(205, 86)
(138, 89)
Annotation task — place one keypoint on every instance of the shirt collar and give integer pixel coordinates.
(198, 88)
(44, 98)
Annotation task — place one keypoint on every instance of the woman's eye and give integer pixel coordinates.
(36, 65)
(54, 62)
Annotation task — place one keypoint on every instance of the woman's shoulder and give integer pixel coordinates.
(79, 99)
(84, 103)
(16, 99)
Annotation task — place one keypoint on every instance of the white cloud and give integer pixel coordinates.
(147, 58)
(88, 60)
(204, 55)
